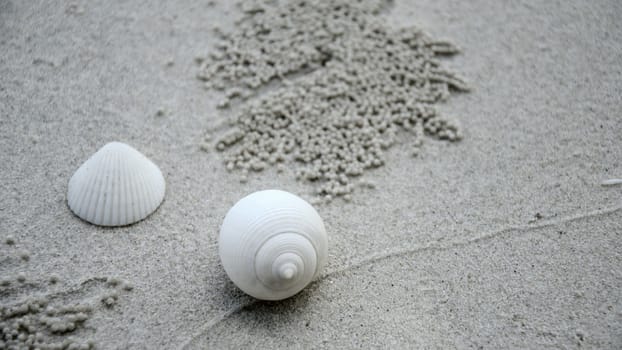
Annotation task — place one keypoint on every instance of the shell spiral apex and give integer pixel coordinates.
(272, 244)
(117, 186)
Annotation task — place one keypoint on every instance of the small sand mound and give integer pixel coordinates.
(349, 85)
(38, 313)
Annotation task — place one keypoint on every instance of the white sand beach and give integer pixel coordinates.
(504, 239)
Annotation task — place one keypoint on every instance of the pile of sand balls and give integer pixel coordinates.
(349, 86)
(43, 322)
(43, 315)
(33, 324)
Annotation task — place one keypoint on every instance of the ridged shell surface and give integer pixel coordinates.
(272, 244)
(117, 186)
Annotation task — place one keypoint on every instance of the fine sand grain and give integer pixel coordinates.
(506, 239)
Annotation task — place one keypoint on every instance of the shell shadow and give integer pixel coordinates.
(272, 315)
(297, 302)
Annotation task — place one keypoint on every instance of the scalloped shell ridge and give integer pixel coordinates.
(117, 186)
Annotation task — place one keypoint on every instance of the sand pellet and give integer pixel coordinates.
(350, 85)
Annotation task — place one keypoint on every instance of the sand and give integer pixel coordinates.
(504, 239)
(343, 87)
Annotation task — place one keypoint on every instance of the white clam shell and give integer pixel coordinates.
(117, 186)
(272, 244)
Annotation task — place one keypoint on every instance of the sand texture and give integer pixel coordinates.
(508, 238)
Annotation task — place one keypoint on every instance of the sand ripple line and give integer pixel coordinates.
(412, 250)
(461, 243)
(214, 321)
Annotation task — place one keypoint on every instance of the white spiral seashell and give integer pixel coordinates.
(117, 186)
(272, 244)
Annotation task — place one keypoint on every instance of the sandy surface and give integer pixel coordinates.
(505, 239)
